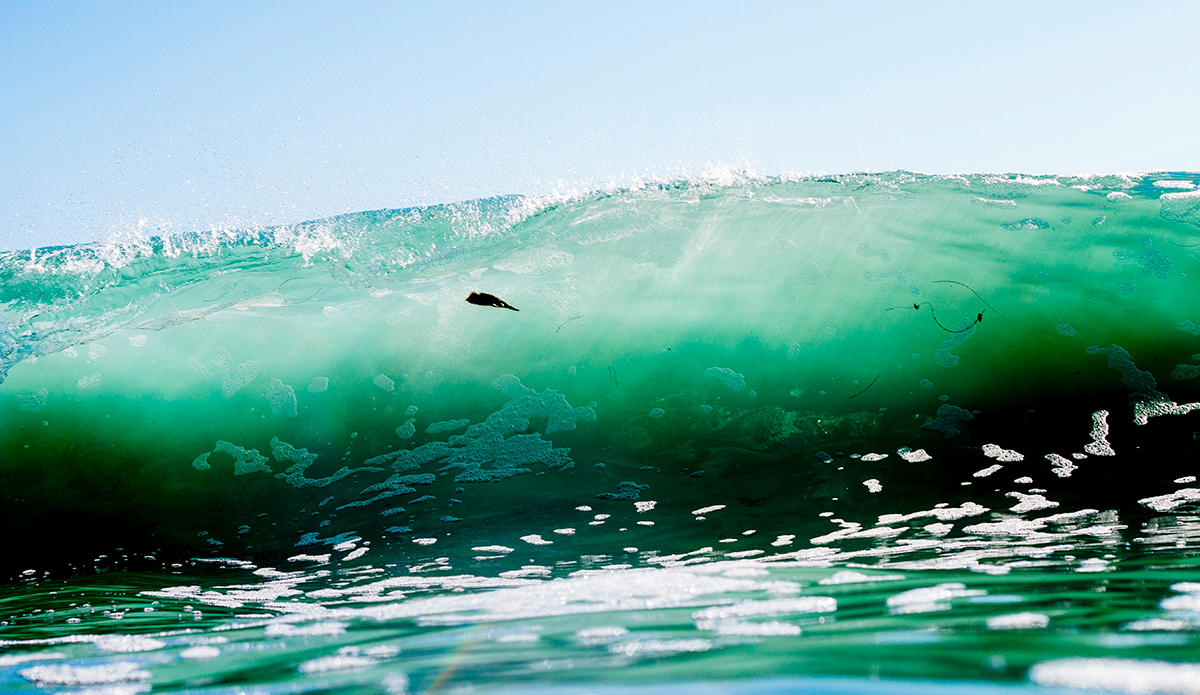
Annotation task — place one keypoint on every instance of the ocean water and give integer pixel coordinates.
(850, 434)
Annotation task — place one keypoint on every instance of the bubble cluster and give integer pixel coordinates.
(946, 422)
(1152, 261)
(727, 376)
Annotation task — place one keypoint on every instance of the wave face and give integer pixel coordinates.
(977, 375)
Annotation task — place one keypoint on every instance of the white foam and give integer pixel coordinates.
(310, 558)
(657, 647)
(852, 577)
(914, 456)
(583, 592)
(930, 598)
(1165, 503)
(989, 202)
(325, 628)
(600, 635)
(127, 643)
(518, 638)
(7, 660)
(527, 571)
(1148, 401)
(535, 539)
(803, 202)
(1004, 181)
(987, 471)
(329, 664)
(1136, 676)
(854, 530)
(706, 510)
(1004, 455)
(1099, 445)
(1006, 527)
(873, 485)
(768, 607)
(1157, 625)
(1189, 603)
(200, 652)
(743, 628)
(941, 512)
(103, 674)
(1029, 503)
(1062, 467)
(1018, 621)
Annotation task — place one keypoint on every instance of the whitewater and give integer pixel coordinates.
(855, 433)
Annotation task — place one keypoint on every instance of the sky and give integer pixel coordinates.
(125, 117)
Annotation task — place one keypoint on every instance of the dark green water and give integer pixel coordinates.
(838, 435)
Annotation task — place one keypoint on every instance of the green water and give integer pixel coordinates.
(296, 459)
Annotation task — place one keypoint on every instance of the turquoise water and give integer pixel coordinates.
(867, 433)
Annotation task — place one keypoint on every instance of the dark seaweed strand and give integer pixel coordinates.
(935, 318)
(956, 282)
(865, 389)
(950, 330)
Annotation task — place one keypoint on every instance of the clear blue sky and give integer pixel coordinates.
(116, 116)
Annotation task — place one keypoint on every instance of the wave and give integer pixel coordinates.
(863, 346)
